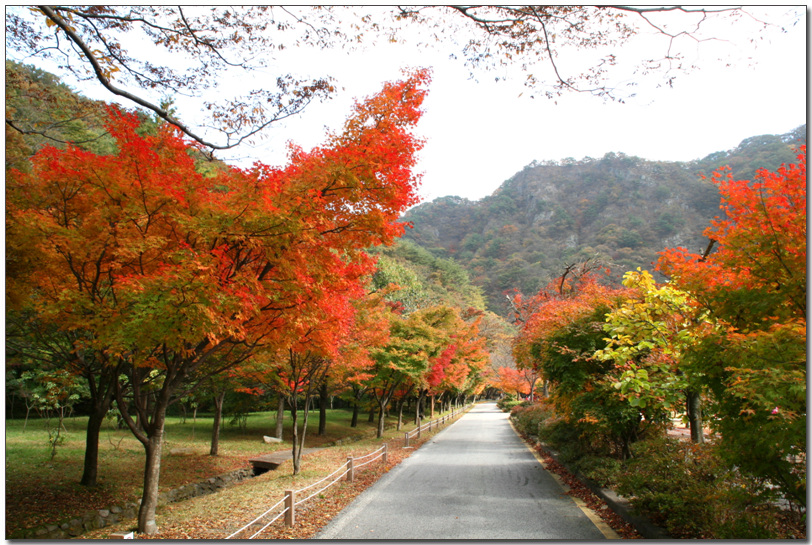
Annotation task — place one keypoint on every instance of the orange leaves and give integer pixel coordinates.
(761, 243)
(145, 251)
(510, 381)
(549, 311)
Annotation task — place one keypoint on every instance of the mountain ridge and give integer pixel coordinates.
(619, 209)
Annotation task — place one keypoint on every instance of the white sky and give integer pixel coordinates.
(479, 133)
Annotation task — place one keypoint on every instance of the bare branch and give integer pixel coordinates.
(44, 134)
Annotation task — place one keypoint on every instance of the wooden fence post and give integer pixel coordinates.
(350, 470)
(419, 425)
(290, 505)
(385, 452)
(406, 435)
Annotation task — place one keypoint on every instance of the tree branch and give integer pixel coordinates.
(105, 81)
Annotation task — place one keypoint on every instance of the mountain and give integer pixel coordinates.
(619, 209)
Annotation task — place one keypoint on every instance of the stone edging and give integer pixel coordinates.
(618, 504)
(102, 518)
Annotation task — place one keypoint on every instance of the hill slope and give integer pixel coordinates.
(620, 209)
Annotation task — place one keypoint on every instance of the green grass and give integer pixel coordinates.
(41, 490)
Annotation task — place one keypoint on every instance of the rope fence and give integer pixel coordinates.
(258, 519)
(348, 470)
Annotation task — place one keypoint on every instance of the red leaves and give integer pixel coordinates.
(122, 243)
(550, 311)
(761, 240)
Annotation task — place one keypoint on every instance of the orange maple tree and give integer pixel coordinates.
(510, 381)
(754, 286)
(164, 268)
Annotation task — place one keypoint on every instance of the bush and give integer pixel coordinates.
(527, 417)
(507, 403)
(599, 469)
(690, 491)
(563, 437)
(672, 486)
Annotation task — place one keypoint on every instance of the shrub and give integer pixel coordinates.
(507, 403)
(690, 491)
(563, 437)
(674, 488)
(599, 469)
(527, 417)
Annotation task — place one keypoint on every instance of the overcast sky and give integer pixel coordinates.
(479, 132)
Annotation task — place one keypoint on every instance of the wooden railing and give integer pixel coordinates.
(290, 501)
(436, 423)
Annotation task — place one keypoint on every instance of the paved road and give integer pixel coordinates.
(474, 480)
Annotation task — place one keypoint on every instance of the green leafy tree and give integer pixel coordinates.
(649, 335)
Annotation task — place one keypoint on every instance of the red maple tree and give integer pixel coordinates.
(174, 274)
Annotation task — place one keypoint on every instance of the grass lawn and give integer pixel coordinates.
(41, 490)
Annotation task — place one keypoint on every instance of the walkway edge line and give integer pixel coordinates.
(604, 528)
(618, 504)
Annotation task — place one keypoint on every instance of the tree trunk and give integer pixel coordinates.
(299, 439)
(27, 412)
(280, 417)
(383, 402)
(355, 410)
(694, 410)
(152, 472)
(94, 424)
(101, 383)
(294, 419)
(218, 417)
(418, 412)
(400, 412)
(371, 414)
(323, 400)
(432, 408)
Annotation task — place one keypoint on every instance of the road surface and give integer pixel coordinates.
(474, 480)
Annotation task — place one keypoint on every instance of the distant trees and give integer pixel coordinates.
(622, 211)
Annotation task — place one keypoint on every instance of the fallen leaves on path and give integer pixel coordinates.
(596, 504)
(215, 517)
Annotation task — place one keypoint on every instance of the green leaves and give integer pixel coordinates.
(648, 336)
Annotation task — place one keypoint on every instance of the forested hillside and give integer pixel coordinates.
(621, 210)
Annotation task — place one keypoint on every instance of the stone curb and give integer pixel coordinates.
(618, 504)
(102, 518)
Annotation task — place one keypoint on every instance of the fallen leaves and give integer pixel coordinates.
(581, 491)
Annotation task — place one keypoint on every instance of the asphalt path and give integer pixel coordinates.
(474, 480)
